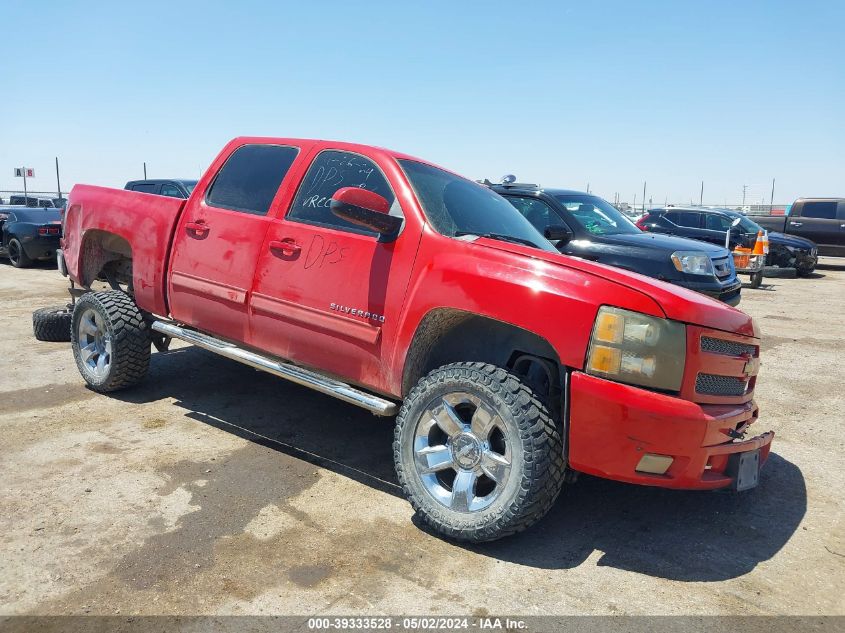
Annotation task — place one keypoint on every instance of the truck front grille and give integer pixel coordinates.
(722, 267)
(728, 348)
(714, 385)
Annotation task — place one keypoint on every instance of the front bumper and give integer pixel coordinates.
(729, 292)
(612, 426)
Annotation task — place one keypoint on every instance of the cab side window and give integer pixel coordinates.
(330, 171)
(171, 190)
(689, 219)
(823, 209)
(250, 178)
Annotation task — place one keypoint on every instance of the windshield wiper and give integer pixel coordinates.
(499, 236)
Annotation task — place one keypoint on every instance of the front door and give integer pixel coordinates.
(324, 287)
(219, 237)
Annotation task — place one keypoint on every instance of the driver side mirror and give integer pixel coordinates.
(557, 233)
(366, 209)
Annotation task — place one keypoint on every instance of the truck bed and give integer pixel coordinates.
(143, 224)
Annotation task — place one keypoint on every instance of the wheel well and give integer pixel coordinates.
(448, 336)
(106, 256)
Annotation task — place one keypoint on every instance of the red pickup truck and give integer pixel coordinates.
(405, 289)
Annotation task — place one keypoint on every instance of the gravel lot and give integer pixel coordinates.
(216, 489)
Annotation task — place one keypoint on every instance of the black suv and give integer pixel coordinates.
(711, 225)
(589, 227)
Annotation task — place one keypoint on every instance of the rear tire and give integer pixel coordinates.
(17, 255)
(477, 452)
(110, 340)
(756, 279)
(805, 272)
(52, 324)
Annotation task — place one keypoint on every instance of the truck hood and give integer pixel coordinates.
(791, 240)
(667, 244)
(677, 303)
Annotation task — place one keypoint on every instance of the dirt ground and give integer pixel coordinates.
(216, 489)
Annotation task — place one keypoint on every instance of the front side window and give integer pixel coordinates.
(250, 178)
(456, 206)
(597, 216)
(333, 170)
(716, 222)
(823, 209)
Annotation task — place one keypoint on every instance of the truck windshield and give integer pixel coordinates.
(596, 216)
(456, 206)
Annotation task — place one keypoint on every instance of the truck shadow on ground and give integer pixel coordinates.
(685, 536)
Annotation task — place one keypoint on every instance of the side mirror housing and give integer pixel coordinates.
(557, 233)
(366, 209)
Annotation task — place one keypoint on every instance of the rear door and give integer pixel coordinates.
(219, 237)
(820, 221)
(324, 285)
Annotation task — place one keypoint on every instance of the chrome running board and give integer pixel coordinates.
(300, 376)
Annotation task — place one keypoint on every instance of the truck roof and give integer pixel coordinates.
(321, 143)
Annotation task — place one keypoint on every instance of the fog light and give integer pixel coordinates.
(654, 464)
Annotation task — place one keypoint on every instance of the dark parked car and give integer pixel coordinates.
(178, 188)
(589, 227)
(711, 225)
(29, 234)
(819, 219)
(36, 202)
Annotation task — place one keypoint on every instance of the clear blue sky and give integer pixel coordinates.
(561, 93)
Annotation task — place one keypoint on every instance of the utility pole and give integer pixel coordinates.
(145, 170)
(588, 187)
(701, 197)
(58, 182)
(25, 194)
(643, 196)
(772, 200)
(744, 189)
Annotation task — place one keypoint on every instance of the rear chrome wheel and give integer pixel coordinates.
(110, 340)
(95, 344)
(477, 452)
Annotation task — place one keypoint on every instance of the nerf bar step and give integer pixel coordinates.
(304, 377)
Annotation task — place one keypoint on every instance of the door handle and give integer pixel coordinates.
(197, 226)
(796, 224)
(287, 246)
(842, 226)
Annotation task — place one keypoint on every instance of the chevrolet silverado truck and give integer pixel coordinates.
(405, 289)
(821, 220)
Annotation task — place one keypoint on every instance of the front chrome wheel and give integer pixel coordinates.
(461, 452)
(95, 343)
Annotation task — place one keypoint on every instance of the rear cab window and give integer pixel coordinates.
(144, 188)
(249, 179)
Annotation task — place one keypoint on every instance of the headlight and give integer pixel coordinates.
(637, 349)
(692, 262)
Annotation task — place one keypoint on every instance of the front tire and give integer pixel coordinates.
(17, 255)
(110, 340)
(478, 454)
